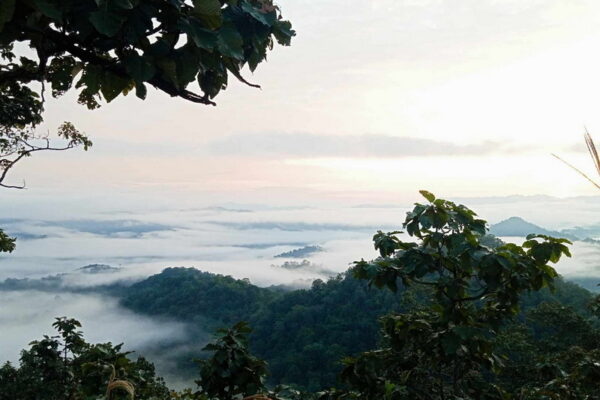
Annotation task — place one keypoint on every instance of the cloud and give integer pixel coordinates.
(27, 315)
(295, 226)
(127, 228)
(303, 145)
(41, 229)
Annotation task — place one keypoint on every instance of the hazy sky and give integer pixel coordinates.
(373, 101)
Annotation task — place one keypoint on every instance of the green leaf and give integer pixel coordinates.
(106, 22)
(209, 11)
(113, 85)
(428, 195)
(265, 18)
(90, 78)
(207, 7)
(140, 90)
(7, 244)
(230, 42)
(160, 48)
(139, 68)
(124, 4)
(48, 9)
(169, 69)
(283, 32)
(187, 60)
(7, 10)
(203, 38)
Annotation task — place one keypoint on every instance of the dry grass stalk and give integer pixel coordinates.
(593, 153)
(592, 149)
(578, 170)
(114, 384)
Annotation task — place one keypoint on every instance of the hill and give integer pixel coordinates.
(302, 334)
(516, 226)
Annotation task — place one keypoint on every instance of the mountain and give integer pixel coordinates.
(516, 226)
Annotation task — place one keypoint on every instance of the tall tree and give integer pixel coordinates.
(445, 350)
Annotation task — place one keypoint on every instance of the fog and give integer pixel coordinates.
(242, 240)
(28, 315)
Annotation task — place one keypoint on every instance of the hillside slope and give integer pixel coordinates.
(302, 334)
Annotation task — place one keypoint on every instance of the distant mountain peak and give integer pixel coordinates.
(517, 226)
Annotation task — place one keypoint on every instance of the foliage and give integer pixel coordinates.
(19, 116)
(302, 334)
(65, 366)
(188, 294)
(447, 349)
(17, 144)
(7, 244)
(106, 48)
(232, 371)
(20, 113)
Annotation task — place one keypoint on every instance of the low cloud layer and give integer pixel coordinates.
(242, 240)
(27, 315)
(307, 145)
(295, 226)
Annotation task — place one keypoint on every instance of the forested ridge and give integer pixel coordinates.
(304, 334)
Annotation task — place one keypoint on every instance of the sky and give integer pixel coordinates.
(373, 101)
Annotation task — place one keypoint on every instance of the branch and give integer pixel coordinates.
(66, 43)
(239, 76)
(23, 154)
(13, 186)
(18, 74)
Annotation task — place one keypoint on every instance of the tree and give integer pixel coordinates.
(445, 350)
(17, 144)
(116, 46)
(232, 372)
(65, 366)
(20, 113)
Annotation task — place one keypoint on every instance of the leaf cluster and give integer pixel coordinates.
(447, 348)
(105, 48)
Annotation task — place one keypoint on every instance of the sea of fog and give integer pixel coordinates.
(235, 239)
